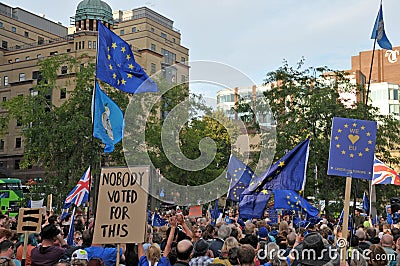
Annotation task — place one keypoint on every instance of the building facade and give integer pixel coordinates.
(26, 38)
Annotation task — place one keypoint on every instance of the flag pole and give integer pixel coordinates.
(372, 195)
(95, 185)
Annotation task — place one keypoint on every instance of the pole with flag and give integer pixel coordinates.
(379, 36)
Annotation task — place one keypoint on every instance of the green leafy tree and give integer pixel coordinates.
(58, 139)
(304, 101)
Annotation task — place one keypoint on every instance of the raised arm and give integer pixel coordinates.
(173, 224)
(181, 221)
(140, 250)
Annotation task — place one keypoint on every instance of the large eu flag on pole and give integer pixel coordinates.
(289, 172)
(116, 64)
(290, 200)
(240, 176)
(378, 32)
(108, 120)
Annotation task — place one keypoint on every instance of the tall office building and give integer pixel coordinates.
(26, 38)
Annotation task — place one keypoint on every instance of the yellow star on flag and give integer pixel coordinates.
(131, 67)
(123, 49)
(343, 152)
(338, 146)
(351, 155)
(360, 154)
(114, 75)
(129, 75)
(281, 164)
(366, 149)
(354, 124)
(346, 125)
(362, 127)
(339, 130)
(123, 81)
(264, 191)
(110, 66)
(128, 57)
(114, 45)
(336, 138)
(369, 141)
(368, 134)
(109, 57)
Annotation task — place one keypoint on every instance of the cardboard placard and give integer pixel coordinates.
(29, 220)
(195, 211)
(121, 206)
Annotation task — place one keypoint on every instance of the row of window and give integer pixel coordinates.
(18, 144)
(35, 75)
(167, 53)
(14, 29)
(81, 45)
(3, 164)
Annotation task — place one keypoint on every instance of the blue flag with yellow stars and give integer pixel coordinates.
(108, 120)
(290, 200)
(240, 176)
(289, 172)
(117, 66)
(253, 206)
(352, 148)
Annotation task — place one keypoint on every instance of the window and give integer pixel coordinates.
(4, 98)
(152, 29)
(183, 78)
(121, 32)
(153, 68)
(183, 60)
(18, 143)
(76, 46)
(19, 122)
(1, 144)
(63, 93)
(39, 56)
(5, 80)
(21, 76)
(40, 40)
(4, 44)
(64, 70)
(94, 45)
(173, 40)
(90, 44)
(169, 57)
(394, 109)
(54, 53)
(17, 59)
(16, 164)
(14, 29)
(1, 24)
(27, 58)
(163, 35)
(3, 164)
(26, 34)
(133, 29)
(153, 47)
(393, 94)
(80, 45)
(35, 74)
(83, 45)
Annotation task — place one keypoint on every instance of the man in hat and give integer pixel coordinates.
(201, 254)
(315, 253)
(48, 253)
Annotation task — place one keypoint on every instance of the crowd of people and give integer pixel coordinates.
(203, 241)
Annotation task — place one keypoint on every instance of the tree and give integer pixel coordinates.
(304, 101)
(58, 139)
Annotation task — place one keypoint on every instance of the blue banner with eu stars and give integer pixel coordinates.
(352, 148)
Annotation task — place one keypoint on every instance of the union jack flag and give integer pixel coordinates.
(80, 193)
(383, 174)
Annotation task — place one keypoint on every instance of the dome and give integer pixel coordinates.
(94, 9)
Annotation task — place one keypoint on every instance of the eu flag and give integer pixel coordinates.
(365, 203)
(108, 120)
(158, 221)
(240, 176)
(352, 148)
(116, 64)
(289, 172)
(378, 32)
(290, 200)
(253, 205)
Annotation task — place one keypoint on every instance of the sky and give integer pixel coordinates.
(256, 36)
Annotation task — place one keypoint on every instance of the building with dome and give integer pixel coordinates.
(26, 38)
